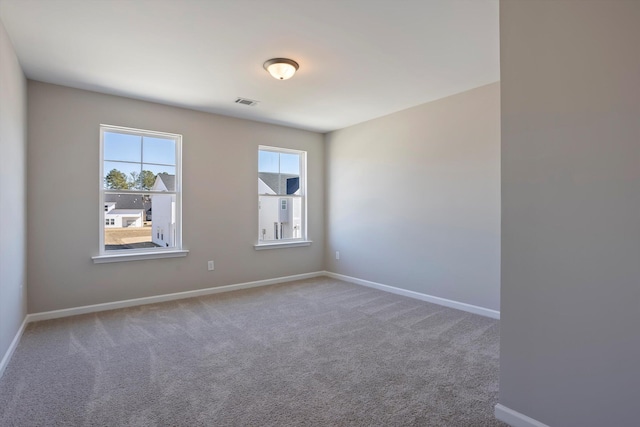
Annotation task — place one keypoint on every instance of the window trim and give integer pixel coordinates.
(178, 250)
(280, 245)
(290, 242)
(104, 259)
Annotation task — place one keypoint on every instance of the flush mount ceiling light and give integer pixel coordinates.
(281, 68)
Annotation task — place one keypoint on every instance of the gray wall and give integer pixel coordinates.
(570, 340)
(13, 143)
(413, 198)
(220, 207)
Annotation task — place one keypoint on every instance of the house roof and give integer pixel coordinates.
(168, 180)
(276, 181)
(128, 201)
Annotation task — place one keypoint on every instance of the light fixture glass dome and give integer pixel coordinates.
(281, 68)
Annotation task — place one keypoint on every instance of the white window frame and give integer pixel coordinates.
(291, 242)
(144, 253)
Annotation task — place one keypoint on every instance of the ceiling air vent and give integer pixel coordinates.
(245, 101)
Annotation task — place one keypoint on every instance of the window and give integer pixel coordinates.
(140, 191)
(281, 197)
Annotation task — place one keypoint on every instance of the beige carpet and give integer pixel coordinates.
(314, 352)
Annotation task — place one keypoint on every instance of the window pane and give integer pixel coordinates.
(159, 150)
(146, 180)
(279, 218)
(121, 176)
(290, 163)
(165, 182)
(127, 222)
(123, 147)
(137, 221)
(268, 161)
(278, 173)
(156, 169)
(278, 184)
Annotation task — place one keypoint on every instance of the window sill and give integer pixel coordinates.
(279, 245)
(102, 259)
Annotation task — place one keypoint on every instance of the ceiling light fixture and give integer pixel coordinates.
(281, 68)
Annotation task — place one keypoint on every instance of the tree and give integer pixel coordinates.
(147, 179)
(141, 181)
(117, 180)
(134, 180)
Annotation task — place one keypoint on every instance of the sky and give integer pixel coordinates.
(133, 153)
(270, 161)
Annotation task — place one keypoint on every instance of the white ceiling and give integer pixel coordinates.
(359, 59)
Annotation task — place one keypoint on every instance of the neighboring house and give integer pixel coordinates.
(279, 217)
(163, 207)
(279, 183)
(125, 210)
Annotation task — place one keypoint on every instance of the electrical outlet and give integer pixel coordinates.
(210, 265)
(337, 254)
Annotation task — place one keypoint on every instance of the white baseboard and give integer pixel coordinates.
(13, 346)
(494, 314)
(162, 298)
(515, 418)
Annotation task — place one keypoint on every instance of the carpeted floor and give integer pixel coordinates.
(314, 352)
